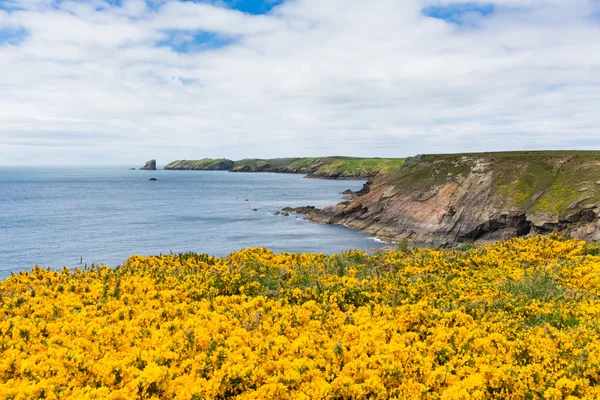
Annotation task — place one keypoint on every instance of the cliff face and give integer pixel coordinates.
(150, 165)
(450, 199)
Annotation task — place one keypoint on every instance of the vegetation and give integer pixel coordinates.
(204, 164)
(343, 166)
(323, 167)
(552, 182)
(513, 320)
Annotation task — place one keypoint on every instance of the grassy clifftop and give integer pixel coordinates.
(322, 167)
(206, 164)
(313, 167)
(555, 182)
(444, 199)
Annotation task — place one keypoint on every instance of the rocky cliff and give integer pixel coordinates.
(449, 199)
(150, 165)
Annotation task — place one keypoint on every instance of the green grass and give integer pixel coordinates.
(536, 285)
(553, 183)
(520, 155)
(359, 166)
(203, 164)
(324, 167)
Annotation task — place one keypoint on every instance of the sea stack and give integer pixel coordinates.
(149, 166)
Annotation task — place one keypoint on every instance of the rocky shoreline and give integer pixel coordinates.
(451, 200)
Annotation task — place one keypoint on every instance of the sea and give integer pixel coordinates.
(55, 217)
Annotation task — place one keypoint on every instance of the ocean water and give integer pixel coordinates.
(68, 216)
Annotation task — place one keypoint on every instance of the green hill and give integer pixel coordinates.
(313, 167)
(206, 164)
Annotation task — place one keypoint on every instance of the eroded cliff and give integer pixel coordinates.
(450, 199)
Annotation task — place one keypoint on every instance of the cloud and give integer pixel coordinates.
(120, 82)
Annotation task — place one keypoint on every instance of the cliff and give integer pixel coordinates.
(315, 167)
(449, 199)
(206, 164)
(150, 165)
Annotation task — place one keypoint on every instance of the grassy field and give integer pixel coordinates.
(513, 320)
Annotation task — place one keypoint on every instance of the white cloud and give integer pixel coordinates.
(88, 83)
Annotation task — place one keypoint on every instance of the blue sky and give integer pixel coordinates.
(455, 13)
(107, 82)
(183, 41)
(12, 36)
(255, 7)
(194, 41)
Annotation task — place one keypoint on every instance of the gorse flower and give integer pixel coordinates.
(513, 320)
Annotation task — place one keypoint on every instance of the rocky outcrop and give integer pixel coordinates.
(444, 200)
(302, 210)
(149, 166)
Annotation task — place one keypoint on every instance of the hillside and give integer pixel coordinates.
(514, 320)
(206, 164)
(315, 167)
(449, 199)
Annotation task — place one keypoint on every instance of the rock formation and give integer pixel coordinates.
(444, 200)
(301, 210)
(149, 166)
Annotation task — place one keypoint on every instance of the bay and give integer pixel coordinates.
(68, 216)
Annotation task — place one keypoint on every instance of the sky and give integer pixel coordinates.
(100, 82)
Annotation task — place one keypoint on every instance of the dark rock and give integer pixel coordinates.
(366, 188)
(347, 191)
(301, 210)
(149, 166)
(132, 169)
(153, 179)
(255, 209)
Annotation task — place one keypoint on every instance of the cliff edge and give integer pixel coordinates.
(443, 200)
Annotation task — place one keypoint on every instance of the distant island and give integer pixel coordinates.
(313, 167)
(149, 166)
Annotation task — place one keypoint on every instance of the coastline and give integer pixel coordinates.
(450, 200)
(333, 168)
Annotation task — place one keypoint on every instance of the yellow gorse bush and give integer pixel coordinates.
(513, 320)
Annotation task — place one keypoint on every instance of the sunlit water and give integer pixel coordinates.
(62, 216)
